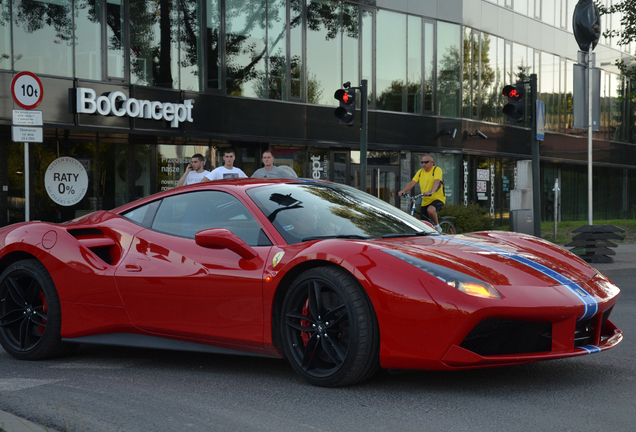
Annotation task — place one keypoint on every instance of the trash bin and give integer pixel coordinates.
(521, 221)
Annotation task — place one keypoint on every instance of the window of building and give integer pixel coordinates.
(491, 77)
(390, 66)
(368, 52)
(429, 66)
(43, 37)
(189, 43)
(332, 48)
(5, 36)
(296, 50)
(213, 21)
(116, 37)
(153, 46)
(448, 69)
(414, 65)
(88, 41)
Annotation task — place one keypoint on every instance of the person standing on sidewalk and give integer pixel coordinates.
(269, 170)
(430, 178)
(194, 172)
(227, 171)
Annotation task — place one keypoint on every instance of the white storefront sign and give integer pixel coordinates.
(66, 181)
(118, 104)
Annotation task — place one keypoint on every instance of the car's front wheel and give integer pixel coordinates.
(30, 315)
(329, 330)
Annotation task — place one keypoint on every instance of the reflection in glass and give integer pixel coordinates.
(366, 36)
(471, 91)
(88, 61)
(190, 45)
(277, 51)
(490, 78)
(391, 61)
(296, 48)
(42, 37)
(448, 69)
(350, 33)
(324, 67)
(5, 35)
(429, 65)
(115, 35)
(548, 92)
(213, 48)
(301, 212)
(414, 65)
(153, 49)
(245, 47)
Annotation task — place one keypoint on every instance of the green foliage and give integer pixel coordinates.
(468, 219)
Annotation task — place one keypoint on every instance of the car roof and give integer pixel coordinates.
(241, 184)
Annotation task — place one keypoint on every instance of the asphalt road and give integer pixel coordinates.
(113, 389)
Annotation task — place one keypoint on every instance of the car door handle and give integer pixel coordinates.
(133, 267)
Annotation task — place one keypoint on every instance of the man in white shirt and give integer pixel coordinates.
(194, 172)
(269, 170)
(228, 170)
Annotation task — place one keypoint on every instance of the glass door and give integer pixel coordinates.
(381, 182)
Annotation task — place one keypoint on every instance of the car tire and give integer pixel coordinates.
(30, 313)
(329, 330)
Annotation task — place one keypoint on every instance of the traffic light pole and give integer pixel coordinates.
(536, 171)
(364, 129)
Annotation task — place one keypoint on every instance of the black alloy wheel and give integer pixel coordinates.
(30, 315)
(329, 330)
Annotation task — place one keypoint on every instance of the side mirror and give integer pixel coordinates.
(220, 238)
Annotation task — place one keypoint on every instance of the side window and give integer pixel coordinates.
(143, 215)
(186, 214)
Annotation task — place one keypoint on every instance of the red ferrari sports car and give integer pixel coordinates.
(336, 281)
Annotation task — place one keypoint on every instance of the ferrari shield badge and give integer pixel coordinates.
(279, 256)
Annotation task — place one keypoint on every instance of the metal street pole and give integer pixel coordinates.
(590, 60)
(27, 191)
(536, 169)
(364, 130)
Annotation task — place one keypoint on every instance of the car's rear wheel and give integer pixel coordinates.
(30, 315)
(329, 330)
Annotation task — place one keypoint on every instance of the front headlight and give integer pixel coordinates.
(476, 288)
(460, 281)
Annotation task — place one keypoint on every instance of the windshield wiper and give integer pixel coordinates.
(336, 236)
(416, 234)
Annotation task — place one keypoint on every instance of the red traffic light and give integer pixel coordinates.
(343, 96)
(514, 92)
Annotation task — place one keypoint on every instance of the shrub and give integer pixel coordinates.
(468, 219)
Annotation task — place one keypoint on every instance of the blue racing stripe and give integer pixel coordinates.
(591, 349)
(590, 303)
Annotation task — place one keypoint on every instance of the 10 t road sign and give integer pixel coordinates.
(27, 90)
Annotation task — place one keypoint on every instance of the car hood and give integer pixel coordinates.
(499, 258)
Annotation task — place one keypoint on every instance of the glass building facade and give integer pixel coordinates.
(261, 74)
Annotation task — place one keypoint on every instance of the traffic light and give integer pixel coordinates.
(515, 108)
(346, 112)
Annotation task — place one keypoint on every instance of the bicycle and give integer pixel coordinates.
(444, 221)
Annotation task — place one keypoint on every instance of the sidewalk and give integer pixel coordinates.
(11, 423)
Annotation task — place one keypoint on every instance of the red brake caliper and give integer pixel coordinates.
(305, 323)
(44, 308)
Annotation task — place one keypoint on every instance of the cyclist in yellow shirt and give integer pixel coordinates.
(431, 183)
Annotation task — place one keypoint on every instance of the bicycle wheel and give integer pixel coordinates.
(448, 227)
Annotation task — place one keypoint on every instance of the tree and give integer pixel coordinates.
(626, 34)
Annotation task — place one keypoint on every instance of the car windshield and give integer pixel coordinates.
(310, 211)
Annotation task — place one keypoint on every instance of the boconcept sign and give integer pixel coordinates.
(118, 104)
